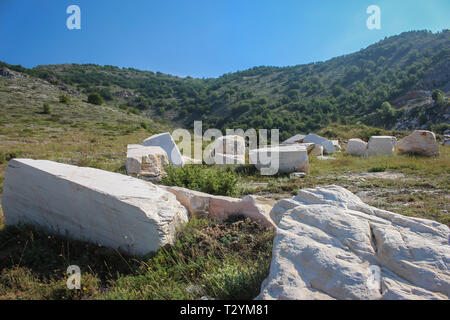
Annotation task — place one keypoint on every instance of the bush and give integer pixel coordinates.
(95, 98)
(64, 99)
(46, 108)
(212, 180)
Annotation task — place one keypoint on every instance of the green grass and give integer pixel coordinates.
(226, 260)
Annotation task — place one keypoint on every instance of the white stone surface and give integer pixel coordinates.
(201, 204)
(225, 159)
(298, 138)
(421, 142)
(146, 162)
(165, 141)
(328, 146)
(317, 150)
(285, 158)
(230, 145)
(331, 245)
(357, 147)
(337, 146)
(107, 208)
(381, 145)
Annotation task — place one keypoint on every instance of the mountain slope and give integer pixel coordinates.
(403, 70)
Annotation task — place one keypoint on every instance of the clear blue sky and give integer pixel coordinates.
(203, 38)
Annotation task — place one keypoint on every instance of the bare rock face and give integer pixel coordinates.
(356, 147)
(421, 142)
(201, 204)
(146, 162)
(331, 245)
(381, 145)
(283, 158)
(328, 146)
(165, 141)
(88, 204)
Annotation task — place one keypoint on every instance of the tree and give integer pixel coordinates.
(95, 98)
(438, 96)
(46, 109)
(64, 99)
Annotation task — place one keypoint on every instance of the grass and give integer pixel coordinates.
(226, 260)
(426, 181)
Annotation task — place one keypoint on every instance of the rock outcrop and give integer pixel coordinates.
(381, 145)
(328, 146)
(165, 141)
(331, 245)
(146, 162)
(88, 204)
(201, 204)
(356, 147)
(283, 158)
(420, 142)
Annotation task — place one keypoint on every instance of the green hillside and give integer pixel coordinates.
(402, 70)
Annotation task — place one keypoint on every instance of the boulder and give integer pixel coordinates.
(146, 162)
(224, 159)
(336, 145)
(357, 147)
(331, 245)
(298, 138)
(189, 160)
(165, 141)
(290, 158)
(381, 145)
(229, 150)
(328, 146)
(88, 204)
(232, 145)
(419, 142)
(201, 204)
(317, 150)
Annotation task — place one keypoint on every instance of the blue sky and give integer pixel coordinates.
(203, 38)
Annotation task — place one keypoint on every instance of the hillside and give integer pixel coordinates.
(403, 70)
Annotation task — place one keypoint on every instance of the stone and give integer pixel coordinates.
(146, 162)
(229, 150)
(328, 146)
(189, 160)
(225, 159)
(331, 245)
(230, 145)
(317, 150)
(298, 138)
(200, 204)
(357, 147)
(290, 158)
(106, 208)
(165, 141)
(381, 145)
(325, 158)
(420, 142)
(297, 175)
(337, 146)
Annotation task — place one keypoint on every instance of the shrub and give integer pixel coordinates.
(95, 98)
(46, 108)
(64, 99)
(380, 168)
(214, 180)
